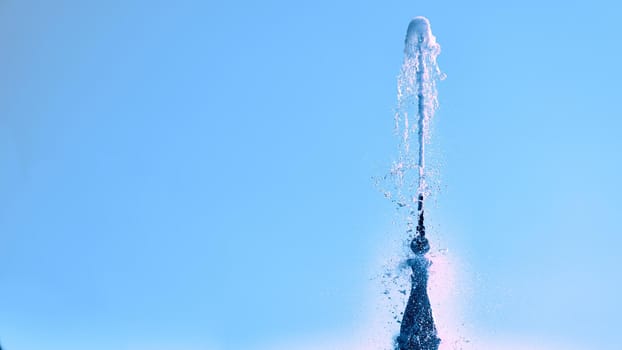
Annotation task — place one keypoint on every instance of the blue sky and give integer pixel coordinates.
(198, 175)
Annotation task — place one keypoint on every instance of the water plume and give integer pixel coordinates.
(417, 103)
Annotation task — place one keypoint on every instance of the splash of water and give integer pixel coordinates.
(408, 186)
(416, 87)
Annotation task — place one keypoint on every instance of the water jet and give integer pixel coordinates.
(416, 95)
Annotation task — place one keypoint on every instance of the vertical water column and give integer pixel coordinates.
(416, 95)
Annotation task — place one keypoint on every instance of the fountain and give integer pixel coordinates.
(416, 95)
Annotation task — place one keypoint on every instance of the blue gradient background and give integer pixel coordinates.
(196, 175)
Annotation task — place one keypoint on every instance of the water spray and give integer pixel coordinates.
(416, 86)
